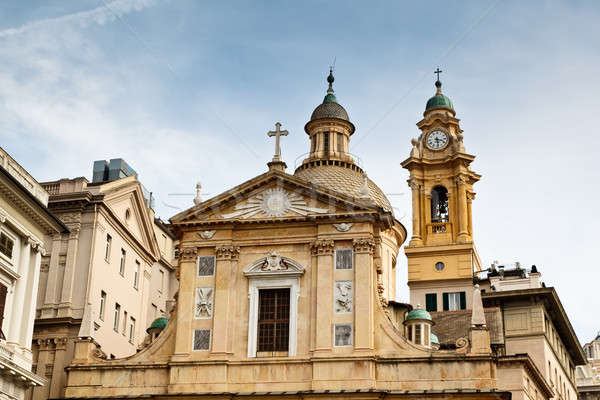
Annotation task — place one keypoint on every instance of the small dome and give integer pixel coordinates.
(418, 313)
(439, 100)
(433, 338)
(158, 323)
(329, 109)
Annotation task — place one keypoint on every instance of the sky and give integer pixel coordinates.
(185, 91)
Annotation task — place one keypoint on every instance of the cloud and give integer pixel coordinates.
(107, 12)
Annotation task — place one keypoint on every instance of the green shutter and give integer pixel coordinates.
(463, 301)
(431, 302)
(445, 299)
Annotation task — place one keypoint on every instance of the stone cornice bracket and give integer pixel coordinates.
(363, 245)
(228, 252)
(188, 254)
(321, 247)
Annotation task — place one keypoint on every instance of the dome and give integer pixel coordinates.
(433, 338)
(343, 180)
(158, 323)
(439, 100)
(418, 313)
(329, 109)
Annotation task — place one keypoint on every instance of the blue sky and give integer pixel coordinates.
(185, 91)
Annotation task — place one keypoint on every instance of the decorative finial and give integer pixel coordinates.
(198, 198)
(364, 189)
(330, 79)
(438, 83)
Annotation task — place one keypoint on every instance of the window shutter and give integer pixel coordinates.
(445, 299)
(3, 292)
(431, 302)
(463, 301)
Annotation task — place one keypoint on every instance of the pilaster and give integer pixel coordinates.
(51, 284)
(322, 250)
(416, 239)
(66, 297)
(18, 324)
(226, 265)
(364, 294)
(188, 257)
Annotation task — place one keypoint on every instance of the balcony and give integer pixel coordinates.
(439, 227)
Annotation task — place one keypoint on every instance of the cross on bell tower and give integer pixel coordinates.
(276, 162)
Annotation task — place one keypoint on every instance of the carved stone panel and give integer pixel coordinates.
(203, 307)
(343, 297)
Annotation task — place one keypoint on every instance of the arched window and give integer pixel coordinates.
(439, 204)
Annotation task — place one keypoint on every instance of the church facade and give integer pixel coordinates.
(287, 286)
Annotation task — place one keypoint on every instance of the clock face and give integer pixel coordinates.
(437, 140)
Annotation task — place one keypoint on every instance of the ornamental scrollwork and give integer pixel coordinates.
(321, 247)
(227, 252)
(363, 245)
(188, 254)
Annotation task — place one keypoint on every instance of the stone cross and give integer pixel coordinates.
(277, 133)
(438, 71)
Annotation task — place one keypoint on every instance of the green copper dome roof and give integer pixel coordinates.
(434, 339)
(158, 323)
(439, 100)
(418, 313)
(330, 108)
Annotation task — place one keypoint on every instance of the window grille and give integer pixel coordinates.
(273, 319)
(201, 339)
(343, 335)
(206, 265)
(344, 258)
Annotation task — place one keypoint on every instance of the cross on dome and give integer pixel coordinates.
(277, 133)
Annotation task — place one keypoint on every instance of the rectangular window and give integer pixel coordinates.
(6, 245)
(342, 335)
(201, 339)
(326, 142)
(131, 329)
(410, 333)
(455, 301)
(3, 293)
(107, 249)
(102, 304)
(273, 319)
(340, 142)
(344, 258)
(122, 264)
(117, 317)
(431, 301)
(124, 328)
(206, 265)
(418, 334)
(136, 274)
(162, 281)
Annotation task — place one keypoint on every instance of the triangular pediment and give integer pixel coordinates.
(271, 196)
(126, 202)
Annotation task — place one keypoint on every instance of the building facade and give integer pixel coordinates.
(115, 265)
(24, 223)
(588, 375)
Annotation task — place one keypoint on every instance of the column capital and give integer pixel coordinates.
(321, 247)
(228, 252)
(188, 254)
(461, 179)
(414, 184)
(363, 245)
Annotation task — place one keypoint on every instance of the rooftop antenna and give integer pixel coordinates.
(332, 66)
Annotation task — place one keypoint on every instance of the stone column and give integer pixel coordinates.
(470, 198)
(416, 210)
(227, 256)
(51, 283)
(323, 250)
(364, 294)
(66, 297)
(188, 258)
(29, 312)
(463, 233)
(18, 324)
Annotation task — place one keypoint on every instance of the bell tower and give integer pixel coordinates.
(441, 253)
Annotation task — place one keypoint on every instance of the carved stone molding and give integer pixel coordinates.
(188, 254)
(343, 226)
(470, 196)
(321, 247)
(414, 184)
(363, 245)
(45, 344)
(228, 252)
(461, 180)
(60, 342)
(343, 296)
(74, 232)
(382, 299)
(207, 234)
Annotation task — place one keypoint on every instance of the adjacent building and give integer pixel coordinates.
(588, 375)
(114, 265)
(25, 222)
